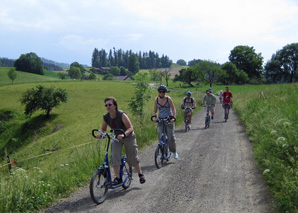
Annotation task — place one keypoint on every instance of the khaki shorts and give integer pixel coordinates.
(131, 150)
(211, 108)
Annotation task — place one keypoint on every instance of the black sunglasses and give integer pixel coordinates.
(162, 91)
(108, 105)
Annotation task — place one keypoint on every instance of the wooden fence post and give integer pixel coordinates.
(9, 165)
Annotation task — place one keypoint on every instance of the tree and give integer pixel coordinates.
(283, 66)
(245, 58)
(166, 75)
(181, 62)
(209, 69)
(155, 76)
(42, 98)
(141, 96)
(62, 75)
(29, 62)
(115, 71)
(108, 77)
(193, 62)
(74, 73)
(92, 76)
(78, 65)
(188, 76)
(133, 64)
(123, 71)
(12, 74)
(230, 74)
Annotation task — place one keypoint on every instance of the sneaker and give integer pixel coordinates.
(189, 126)
(212, 117)
(116, 181)
(142, 178)
(176, 155)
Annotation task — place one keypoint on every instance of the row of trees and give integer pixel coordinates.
(244, 66)
(100, 58)
(5, 62)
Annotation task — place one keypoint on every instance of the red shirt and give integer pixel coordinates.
(227, 97)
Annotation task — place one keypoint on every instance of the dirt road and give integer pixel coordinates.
(215, 172)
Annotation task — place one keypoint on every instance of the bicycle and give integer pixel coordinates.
(220, 99)
(187, 111)
(207, 118)
(101, 180)
(227, 108)
(162, 151)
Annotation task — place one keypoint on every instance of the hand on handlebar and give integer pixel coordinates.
(120, 137)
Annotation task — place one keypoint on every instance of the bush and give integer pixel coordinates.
(43, 98)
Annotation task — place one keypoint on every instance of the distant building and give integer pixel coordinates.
(123, 78)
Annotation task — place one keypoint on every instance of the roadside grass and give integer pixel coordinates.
(270, 116)
(39, 181)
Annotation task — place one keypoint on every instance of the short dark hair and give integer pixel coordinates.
(112, 99)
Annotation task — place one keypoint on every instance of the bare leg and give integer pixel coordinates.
(117, 171)
(138, 168)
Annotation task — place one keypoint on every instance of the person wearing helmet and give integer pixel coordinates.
(220, 96)
(165, 107)
(188, 103)
(210, 100)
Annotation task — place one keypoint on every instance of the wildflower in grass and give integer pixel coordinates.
(20, 170)
(36, 168)
(66, 164)
(266, 171)
(287, 124)
(26, 176)
(280, 140)
(285, 145)
(62, 165)
(48, 185)
(273, 132)
(40, 171)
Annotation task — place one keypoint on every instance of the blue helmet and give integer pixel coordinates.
(188, 93)
(162, 87)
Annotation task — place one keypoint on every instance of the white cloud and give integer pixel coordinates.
(185, 29)
(79, 43)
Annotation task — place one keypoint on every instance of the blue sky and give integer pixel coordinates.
(69, 30)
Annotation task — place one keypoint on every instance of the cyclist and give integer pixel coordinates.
(210, 100)
(117, 119)
(220, 96)
(164, 104)
(227, 99)
(190, 102)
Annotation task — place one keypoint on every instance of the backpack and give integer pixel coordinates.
(191, 100)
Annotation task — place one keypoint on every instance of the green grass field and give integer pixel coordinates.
(268, 112)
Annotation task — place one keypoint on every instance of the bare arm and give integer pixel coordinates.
(127, 124)
(104, 126)
(194, 103)
(155, 110)
(172, 106)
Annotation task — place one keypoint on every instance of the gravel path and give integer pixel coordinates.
(215, 172)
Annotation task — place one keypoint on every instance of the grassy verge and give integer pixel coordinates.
(39, 181)
(270, 116)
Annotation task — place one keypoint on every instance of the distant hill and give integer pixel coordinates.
(48, 64)
(47, 61)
